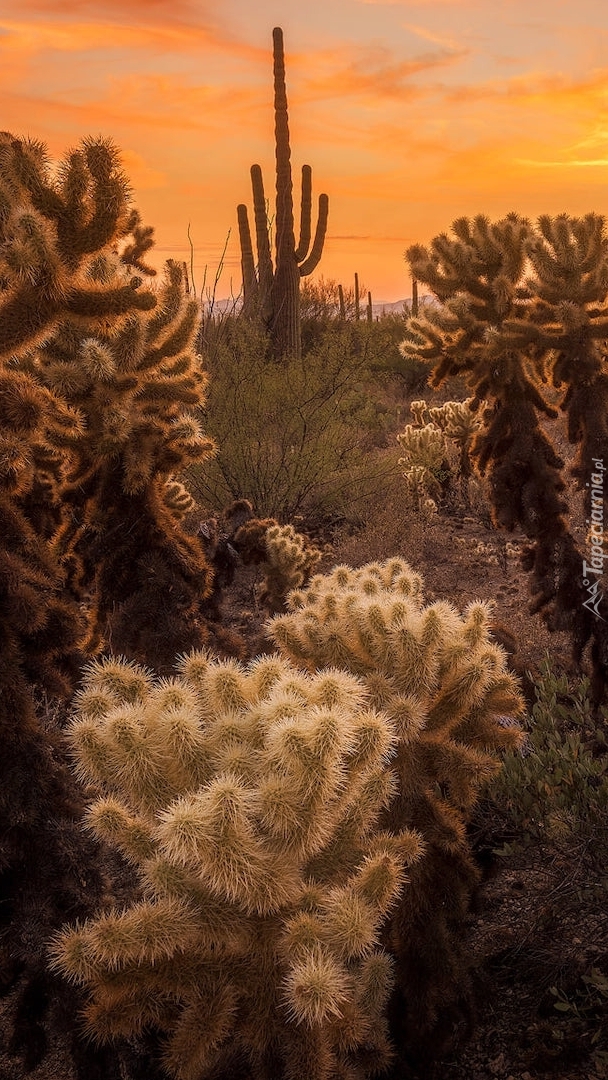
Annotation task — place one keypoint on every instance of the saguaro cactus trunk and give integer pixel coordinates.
(275, 291)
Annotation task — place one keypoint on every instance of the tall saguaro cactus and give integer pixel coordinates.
(275, 291)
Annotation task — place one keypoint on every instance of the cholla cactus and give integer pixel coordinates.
(248, 800)
(426, 453)
(138, 384)
(291, 560)
(453, 421)
(445, 686)
(52, 230)
(420, 412)
(417, 483)
(287, 556)
(461, 425)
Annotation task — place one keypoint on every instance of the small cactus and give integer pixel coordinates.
(426, 467)
(287, 556)
(291, 560)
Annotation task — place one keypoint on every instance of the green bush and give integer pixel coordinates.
(556, 788)
(293, 437)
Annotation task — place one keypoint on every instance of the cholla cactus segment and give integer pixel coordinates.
(435, 672)
(248, 799)
(421, 485)
(420, 412)
(177, 499)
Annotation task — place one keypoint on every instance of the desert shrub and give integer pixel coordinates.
(555, 787)
(247, 799)
(292, 436)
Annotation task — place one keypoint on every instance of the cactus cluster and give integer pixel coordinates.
(291, 561)
(248, 799)
(522, 307)
(446, 689)
(288, 558)
(429, 470)
(426, 466)
(457, 420)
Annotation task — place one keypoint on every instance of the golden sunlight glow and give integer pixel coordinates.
(411, 114)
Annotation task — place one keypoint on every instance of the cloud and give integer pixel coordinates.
(553, 90)
(421, 3)
(130, 25)
(570, 163)
(449, 44)
(372, 73)
(141, 174)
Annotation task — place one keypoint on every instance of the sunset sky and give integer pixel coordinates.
(410, 113)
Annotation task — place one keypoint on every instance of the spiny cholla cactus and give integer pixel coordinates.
(287, 556)
(51, 231)
(459, 425)
(425, 461)
(248, 800)
(445, 687)
(291, 560)
(138, 384)
(523, 308)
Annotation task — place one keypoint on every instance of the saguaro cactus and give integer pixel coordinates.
(276, 290)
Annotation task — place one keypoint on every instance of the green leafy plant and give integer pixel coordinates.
(298, 446)
(555, 788)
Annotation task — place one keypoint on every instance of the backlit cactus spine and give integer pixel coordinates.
(248, 800)
(445, 687)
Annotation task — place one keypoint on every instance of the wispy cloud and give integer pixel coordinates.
(449, 44)
(373, 72)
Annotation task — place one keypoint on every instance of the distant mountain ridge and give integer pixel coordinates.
(383, 307)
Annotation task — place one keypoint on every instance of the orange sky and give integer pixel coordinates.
(411, 114)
